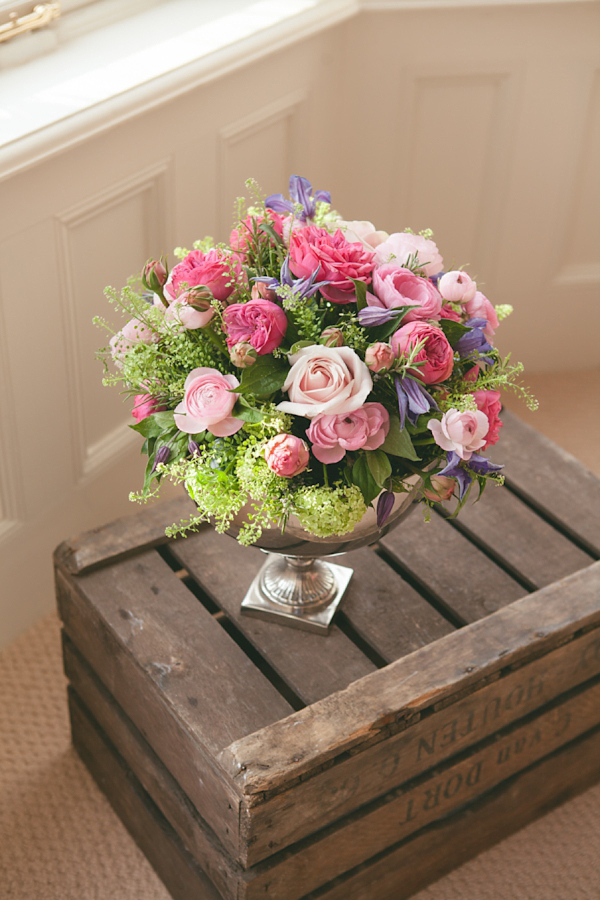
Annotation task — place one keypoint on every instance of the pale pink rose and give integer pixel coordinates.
(286, 455)
(379, 357)
(207, 403)
(395, 286)
(457, 287)
(488, 402)
(258, 322)
(145, 405)
(481, 308)
(216, 270)
(332, 436)
(243, 355)
(333, 258)
(436, 352)
(460, 432)
(399, 247)
(181, 312)
(362, 232)
(325, 380)
(133, 332)
(442, 488)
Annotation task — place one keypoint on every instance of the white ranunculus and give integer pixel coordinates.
(362, 232)
(330, 380)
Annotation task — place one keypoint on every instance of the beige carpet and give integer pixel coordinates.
(60, 840)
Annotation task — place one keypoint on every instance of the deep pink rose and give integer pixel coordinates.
(325, 380)
(332, 436)
(460, 432)
(379, 357)
(481, 308)
(334, 258)
(213, 270)
(133, 332)
(207, 403)
(145, 405)
(436, 353)
(457, 287)
(244, 235)
(395, 286)
(286, 455)
(488, 402)
(400, 247)
(258, 322)
(442, 488)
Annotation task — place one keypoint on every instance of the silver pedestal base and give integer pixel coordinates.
(305, 597)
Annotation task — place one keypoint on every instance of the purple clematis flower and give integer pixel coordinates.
(413, 400)
(474, 342)
(455, 470)
(301, 193)
(370, 316)
(385, 505)
(301, 287)
(481, 465)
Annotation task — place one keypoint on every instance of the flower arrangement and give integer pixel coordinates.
(309, 368)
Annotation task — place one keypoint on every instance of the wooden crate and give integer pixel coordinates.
(456, 698)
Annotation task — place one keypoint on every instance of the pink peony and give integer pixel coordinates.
(442, 488)
(400, 247)
(145, 405)
(331, 436)
(488, 402)
(457, 287)
(379, 357)
(207, 403)
(133, 332)
(213, 270)
(460, 432)
(286, 455)
(395, 286)
(325, 380)
(258, 322)
(334, 258)
(436, 353)
(479, 307)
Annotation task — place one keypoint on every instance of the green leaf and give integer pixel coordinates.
(268, 229)
(453, 331)
(264, 377)
(379, 466)
(155, 424)
(299, 345)
(361, 293)
(362, 478)
(242, 410)
(398, 441)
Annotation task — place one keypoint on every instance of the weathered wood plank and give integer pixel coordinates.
(311, 666)
(446, 563)
(550, 479)
(152, 833)
(424, 744)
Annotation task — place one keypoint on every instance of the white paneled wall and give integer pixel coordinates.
(482, 123)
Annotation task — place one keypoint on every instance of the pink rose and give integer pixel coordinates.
(479, 307)
(286, 455)
(258, 322)
(216, 270)
(488, 402)
(437, 354)
(133, 332)
(379, 357)
(247, 232)
(332, 436)
(325, 380)
(207, 403)
(182, 312)
(260, 291)
(145, 405)
(447, 312)
(401, 246)
(334, 258)
(442, 488)
(460, 432)
(395, 286)
(457, 287)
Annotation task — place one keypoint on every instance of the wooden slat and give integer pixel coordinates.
(447, 564)
(312, 665)
(551, 479)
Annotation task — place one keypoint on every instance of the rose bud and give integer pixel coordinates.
(154, 275)
(260, 291)
(199, 297)
(242, 355)
(379, 357)
(332, 337)
(286, 455)
(441, 488)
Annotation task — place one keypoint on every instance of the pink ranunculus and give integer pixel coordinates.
(181, 312)
(379, 357)
(479, 307)
(145, 405)
(362, 232)
(447, 312)
(399, 247)
(258, 322)
(333, 258)
(286, 455)
(395, 286)
(244, 235)
(133, 332)
(437, 354)
(332, 435)
(325, 380)
(457, 287)
(216, 270)
(460, 432)
(207, 403)
(442, 488)
(488, 402)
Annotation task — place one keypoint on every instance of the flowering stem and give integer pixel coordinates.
(216, 340)
(325, 478)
